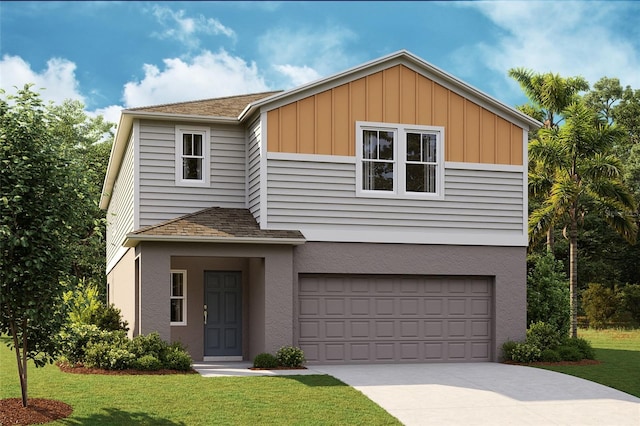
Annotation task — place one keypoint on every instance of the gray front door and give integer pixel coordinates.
(223, 314)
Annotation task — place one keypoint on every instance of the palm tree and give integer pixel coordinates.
(549, 94)
(584, 175)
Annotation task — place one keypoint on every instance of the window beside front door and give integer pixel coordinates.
(192, 156)
(398, 160)
(178, 297)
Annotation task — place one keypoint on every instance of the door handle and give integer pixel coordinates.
(205, 314)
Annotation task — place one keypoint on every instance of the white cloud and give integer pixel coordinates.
(207, 75)
(569, 38)
(58, 80)
(186, 29)
(110, 113)
(304, 55)
(298, 75)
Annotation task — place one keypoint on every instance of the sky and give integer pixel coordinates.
(115, 55)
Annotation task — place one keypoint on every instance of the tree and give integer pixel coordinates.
(549, 94)
(548, 294)
(585, 176)
(40, 215)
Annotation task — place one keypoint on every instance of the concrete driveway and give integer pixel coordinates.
(471, 394)
(487, 394)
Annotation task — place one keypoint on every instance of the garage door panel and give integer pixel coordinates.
(395, 319)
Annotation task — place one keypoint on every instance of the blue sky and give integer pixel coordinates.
(114, 55)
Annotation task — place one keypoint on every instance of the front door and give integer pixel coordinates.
(223, 314)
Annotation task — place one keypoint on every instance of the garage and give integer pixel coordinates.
(381, 318)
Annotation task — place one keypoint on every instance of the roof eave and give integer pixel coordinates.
(132, 240)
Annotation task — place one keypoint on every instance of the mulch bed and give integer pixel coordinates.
(38, 411)
(279, 368)
(583, 362)
(81, 369)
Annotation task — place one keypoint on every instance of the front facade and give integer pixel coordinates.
(378, 215)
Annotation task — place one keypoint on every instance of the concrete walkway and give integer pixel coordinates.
(473, 394)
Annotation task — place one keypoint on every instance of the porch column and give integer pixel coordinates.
(155, 264)
(278, 298)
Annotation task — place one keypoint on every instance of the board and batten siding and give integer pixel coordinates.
(161, 199)
(254, 135)
(323, 123)
(480, 206)
(120, 213)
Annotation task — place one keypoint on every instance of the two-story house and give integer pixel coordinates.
(377, 215)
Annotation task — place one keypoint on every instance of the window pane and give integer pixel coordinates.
(177, 285)
(413, 147)
(377, 176)
(187, 145)
(369, 144)
(429, 148)
(197, 145)
(192, 168)
(385, 145)
(421, 178)
(176, 310)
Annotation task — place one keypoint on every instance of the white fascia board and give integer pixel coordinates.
(412, 237)
(311, 158)
(115, 158)
(132, 240)
(116, 258)
(483, 166)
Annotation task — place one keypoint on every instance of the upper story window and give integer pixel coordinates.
(398, 160)
(192, 156)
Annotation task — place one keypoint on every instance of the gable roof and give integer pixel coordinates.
(215, 224)
(227, 107)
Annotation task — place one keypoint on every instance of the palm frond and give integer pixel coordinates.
(619, 217)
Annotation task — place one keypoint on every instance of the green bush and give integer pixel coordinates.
(109, 356)
(265, 360)
(583, 346)
(177, 358)
(290, 356)
(74, 340)
(151, 344)
(525, 353)
(569, 353)
(543, 335)
(148, 363)
(550, 355)
(548, 294)
(108, 318)
(600, 304)
(82, 302)
(631, 301)
(507, 350)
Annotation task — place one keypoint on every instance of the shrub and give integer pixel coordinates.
(525, 352)
(548, 294)
(81, 303)
(550, 355)
(600, 304)
(151, 344)
(631, 301)
(543, 335)
(108, 318)
(74, 340)
(290, 356)
(177, 358)
(583, 346)
(147, 362)
(265, 360)
(109, 356)
(507, 350)
(569, 353)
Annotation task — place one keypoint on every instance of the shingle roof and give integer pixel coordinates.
(217, 223)
(230, 106)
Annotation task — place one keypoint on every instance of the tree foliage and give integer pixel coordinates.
(548, 294)
(40, 218)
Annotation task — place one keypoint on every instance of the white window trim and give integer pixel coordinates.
(184, 296)
(206, 142)
(400, 155)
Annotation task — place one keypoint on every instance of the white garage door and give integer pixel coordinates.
(356, 318)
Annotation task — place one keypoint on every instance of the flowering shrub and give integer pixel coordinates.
(290, 356)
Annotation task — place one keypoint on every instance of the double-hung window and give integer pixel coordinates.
(398, 160)
(178, 297)
(192, 156)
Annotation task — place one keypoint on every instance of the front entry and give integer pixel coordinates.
(223, 314)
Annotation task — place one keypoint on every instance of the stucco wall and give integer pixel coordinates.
(121, 283)
(507, 266)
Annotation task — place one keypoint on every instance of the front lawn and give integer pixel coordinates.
(193, 400)
(619, 352)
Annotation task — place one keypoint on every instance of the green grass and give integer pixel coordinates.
(619, 352)
(194, 400)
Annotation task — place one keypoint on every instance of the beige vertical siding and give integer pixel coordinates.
(324, 123)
